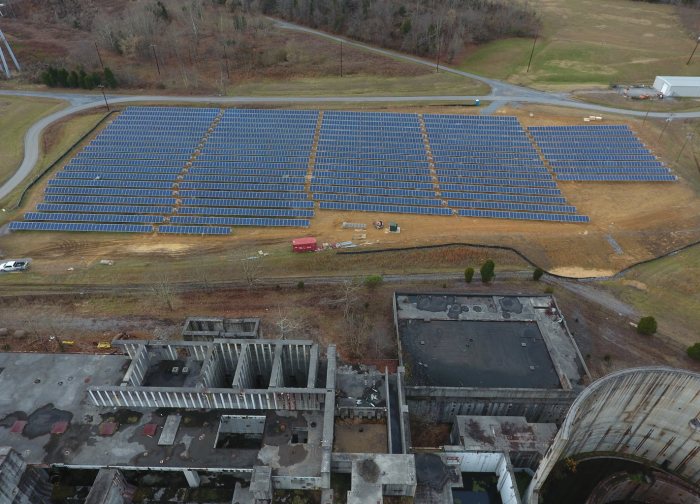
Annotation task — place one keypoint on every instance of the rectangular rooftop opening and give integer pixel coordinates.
(240, 432)
(172, 367)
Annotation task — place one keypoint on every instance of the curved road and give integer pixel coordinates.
(500, 92)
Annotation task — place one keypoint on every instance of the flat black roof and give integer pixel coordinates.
(471, 353)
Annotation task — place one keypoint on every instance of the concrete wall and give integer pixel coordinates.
(489, 462)
(194, 398)
(660, 488)
(20, 484)
(650, 415)
(442, 404)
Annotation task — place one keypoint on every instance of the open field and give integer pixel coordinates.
(430, 84)
(16, 116)
(669, 290)
(591, 42)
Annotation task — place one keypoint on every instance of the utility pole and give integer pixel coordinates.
(341, 58)
(668, 121)
(647, 114)
(99, 56)
(687, 139)
(532, 53)
(228, 75)
(697, 42)
(437, 56)
(155, 56)
(102, 88)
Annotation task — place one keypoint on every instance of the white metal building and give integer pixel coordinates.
(688, 87)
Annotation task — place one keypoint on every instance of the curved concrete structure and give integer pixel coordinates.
(651, 415)
(656, 487)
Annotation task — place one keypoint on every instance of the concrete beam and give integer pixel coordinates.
(192, 478)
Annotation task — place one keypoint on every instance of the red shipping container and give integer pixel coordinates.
(304, 245)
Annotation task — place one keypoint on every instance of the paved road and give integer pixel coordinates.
(500, 92)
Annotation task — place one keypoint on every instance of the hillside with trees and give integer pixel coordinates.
(424, 28)
(211, 45)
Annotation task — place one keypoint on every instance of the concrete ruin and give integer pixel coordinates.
(210, 328)
(649, 415)
(487, 355)
(275, 415)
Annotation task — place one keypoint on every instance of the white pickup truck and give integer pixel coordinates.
(14, 265)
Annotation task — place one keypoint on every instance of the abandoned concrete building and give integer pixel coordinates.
(255, 418)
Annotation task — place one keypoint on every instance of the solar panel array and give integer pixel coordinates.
(487, 167)
(252, 171)
(125, 180)
(374, 162)
(162, 165)
(203, 170)
(610, 153)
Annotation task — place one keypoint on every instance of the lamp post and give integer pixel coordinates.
(102, 88)
(697, 42)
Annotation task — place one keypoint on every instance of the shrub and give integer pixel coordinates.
(537, 274)
(373, 281)
(468, 275)
(488, 271)
(694, 351)
(300, 284)
(646, 326)
(549, 290)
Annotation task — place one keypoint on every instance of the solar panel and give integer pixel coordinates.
(79, 226)
(199, 230)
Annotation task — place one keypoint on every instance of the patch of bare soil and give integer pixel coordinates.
(359, 436)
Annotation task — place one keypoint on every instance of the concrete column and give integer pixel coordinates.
(192, 478)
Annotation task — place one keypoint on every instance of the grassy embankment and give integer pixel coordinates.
(17, 114)
(591, 42)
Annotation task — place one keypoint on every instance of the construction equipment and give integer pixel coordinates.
(378, 224)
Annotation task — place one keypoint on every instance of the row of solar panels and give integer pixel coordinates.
(238, 199)
(615, 177)
(126, 213)
(537, 216)
(374, 207)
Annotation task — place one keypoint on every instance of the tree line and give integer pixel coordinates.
(77, 78)
(425, 28)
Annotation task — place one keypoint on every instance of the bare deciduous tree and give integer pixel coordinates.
(348, 296)
(252, 267)
(289, 324)
(162, 289)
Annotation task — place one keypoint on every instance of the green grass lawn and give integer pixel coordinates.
(669, 290)
(592, 42)
(17, 114)
(364, 85)
(62, 136)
